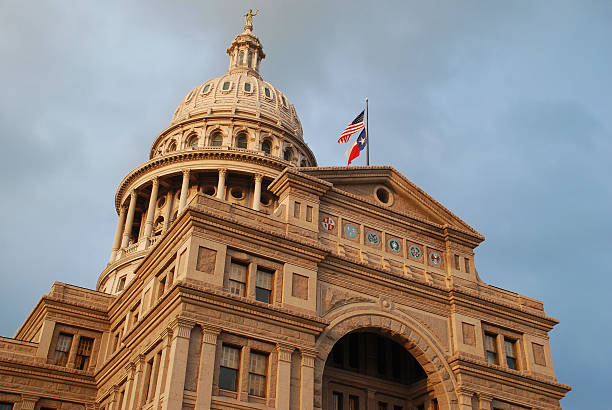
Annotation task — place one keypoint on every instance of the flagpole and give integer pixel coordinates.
(367, 136)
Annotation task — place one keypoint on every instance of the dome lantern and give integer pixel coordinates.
(246, 51)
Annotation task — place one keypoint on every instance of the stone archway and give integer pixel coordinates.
(416, 339)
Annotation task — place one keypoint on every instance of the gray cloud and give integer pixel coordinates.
(498, 110)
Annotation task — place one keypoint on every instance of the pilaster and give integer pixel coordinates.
(283, 379)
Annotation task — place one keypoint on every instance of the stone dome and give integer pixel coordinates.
(240, 93)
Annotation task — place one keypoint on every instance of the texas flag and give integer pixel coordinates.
(358, 146)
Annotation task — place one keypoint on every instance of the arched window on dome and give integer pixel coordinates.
(240, 58)
(288, 154)
(249, 57)
(192, 141)
(171, 146)
(303, 163)
(241, 140)
(216, 140)
(266, 146)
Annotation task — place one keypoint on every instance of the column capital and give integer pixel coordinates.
(28, 401)
(222, 171)
(485, 397)
(308, 357)
(132, 192)
(186, 171)
(258, 177)
(210, 335)
(155, 180)
(284, 352)
(130, 368)
(181, 327)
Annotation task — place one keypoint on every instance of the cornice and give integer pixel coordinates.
(293, 178)
(461, 364)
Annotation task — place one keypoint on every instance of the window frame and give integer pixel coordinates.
(270, 291)
(236, 370)
(254, 373)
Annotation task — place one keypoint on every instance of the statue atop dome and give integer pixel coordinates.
(248, 19)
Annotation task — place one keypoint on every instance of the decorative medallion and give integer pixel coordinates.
(350, 231)
(394, 245)
(328, 223)
(435, 258)
(373, 238)
(415, 252)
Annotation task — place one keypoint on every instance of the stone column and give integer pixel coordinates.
(184, 191)
(465, 401)
(151, 209)
(130, 220)
(28, 402)
(130, 369)
(484, 401)
(283, 377)
(257, 193)
(118, 233)
(133, 402)
(207, 363)
(307, 380)
(177, 365)
(371, 400)
(163, 371)
(169, 205)
(221, 183)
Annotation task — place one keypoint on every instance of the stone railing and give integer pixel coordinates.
(130, 249)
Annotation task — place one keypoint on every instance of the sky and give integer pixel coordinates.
(499, 110)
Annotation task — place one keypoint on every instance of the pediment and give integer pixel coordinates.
(384, 186)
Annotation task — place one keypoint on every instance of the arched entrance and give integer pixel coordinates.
(368, 369)
(421, 378)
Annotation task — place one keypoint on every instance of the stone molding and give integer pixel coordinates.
(284, 352)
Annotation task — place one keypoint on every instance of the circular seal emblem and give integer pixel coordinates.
(350, 231)
(415, 252)
(328, 223)
(373, 238)
(435, 258)
(394, 245)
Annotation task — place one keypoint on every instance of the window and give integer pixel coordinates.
(267, 92)
(510, 353)
(193, 142)
(457, 262)
(134, 313)
(161, 287)
(240, 58)
(228, 372)
(257, 374)
(83, 352)
(490, 348)
(287, 155)
(337, 401)
(296, 209)
(249, 57)
(247, 87)
(353, 402)
(266, 147)
(216, 140)
(263, 285)
(226, 86)
(382, 405)
(241, 141)
(284, 101)
(308, 213)
(237, 278)
(467, 265)
(206, 89)
(172, 146)
(6, 406)
(121, 284)
(62, 349)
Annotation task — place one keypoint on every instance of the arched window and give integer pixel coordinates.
(216, 140)
(172, 146)
(241, 141)
(288, 155)
(303, 163)
(240, 58)
(266, 147)
(192, 141)
(249, 57)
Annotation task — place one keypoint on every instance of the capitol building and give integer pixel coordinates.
(243, 276)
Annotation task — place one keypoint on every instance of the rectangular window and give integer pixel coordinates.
(353, 402)
(337, 401)
(84, 352)
(6, 406)
(228, 372)
(170, 277)
(457, 262)
(135, 313)
(308, 213)
(467, 265)
(161, 287)
(296, 209)
(490, 348)
(263, 285)
(121, 284)
(382, 405)
(62, 349)
(257, 374)
(510, 353)
(237, 278)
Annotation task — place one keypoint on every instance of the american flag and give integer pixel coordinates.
(352, 128)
